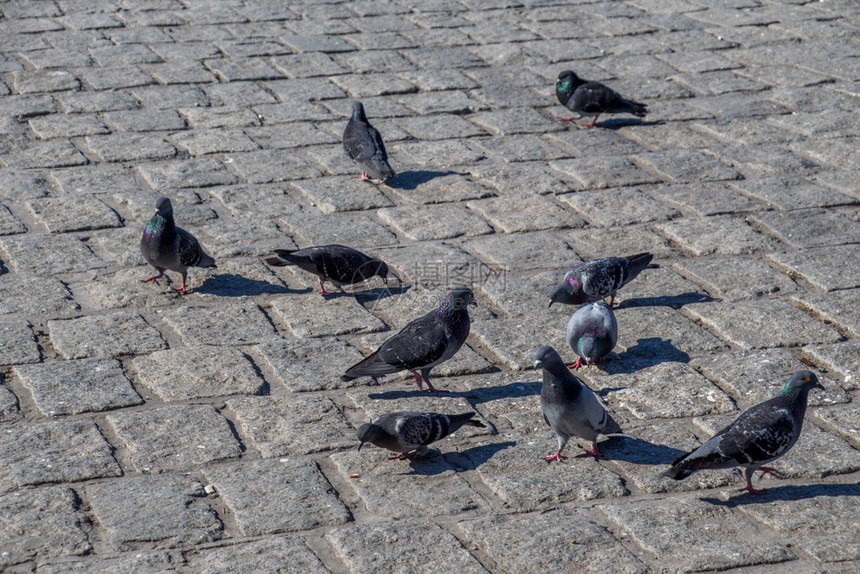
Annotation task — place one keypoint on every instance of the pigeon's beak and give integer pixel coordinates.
(385, 281)
(537, 364)
(473, 302)
(361, 444)
(819, 386)
(551, 301)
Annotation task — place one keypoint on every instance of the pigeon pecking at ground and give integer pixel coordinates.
(599, 278)
(410, 432)
(166, 246)
(363, 143)
(760, 435)
(586, 97)
(338, 264)
(568, 406)
(423, 343)
(592, 332)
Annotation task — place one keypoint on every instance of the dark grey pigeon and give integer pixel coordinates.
(363, 143)
(423, 343)
(599, 278)
(336, 263)
(166, 246)
(761, 434)
(409, 432)
(586, 97)
(568, 406)
(592, 332)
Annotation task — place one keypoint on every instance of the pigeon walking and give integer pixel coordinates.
(592, 332)
(423, 343)
(568, 406)
(599, 278)
(586, 97)
(409, 432)
(363, 143)
(166, 246)
(338, 264)
(759, 436)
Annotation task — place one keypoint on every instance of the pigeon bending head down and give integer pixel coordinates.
(338, 264)
(409, 432)
(592, 332)
(599, 278)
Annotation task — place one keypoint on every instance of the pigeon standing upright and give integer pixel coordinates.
(166, 246)
(363, 143)
(582, 96)
(336, 263)
(592, 332)
(423, 343)
(761, 434)
(409, 432)
(568, 406)
(599, 278)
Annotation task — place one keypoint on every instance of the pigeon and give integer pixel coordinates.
(336, 263)
(592, 332)
(166, 246)
(761, 434)
(599, 278)
(409, 432)
(580, 95)
(423, 343)
(568, 406)
(363, 143)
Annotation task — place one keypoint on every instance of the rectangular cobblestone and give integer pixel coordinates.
(118, 333)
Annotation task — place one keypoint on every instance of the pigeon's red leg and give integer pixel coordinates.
(768, 470)
(749, 487)
(579, 363)
(322, 290)
(154, 279)
(593, 122)
(611, 301)
(594, 452)
(569, 119)
(418, 379)
(181, 289)
(557, 456)
(364, 176)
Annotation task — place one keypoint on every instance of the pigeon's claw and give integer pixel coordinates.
(594, 452)
(557, 456)
(569, 119)
(768, 470)
(153, 279)
(181, 289)
(364, 176)
(579, 363)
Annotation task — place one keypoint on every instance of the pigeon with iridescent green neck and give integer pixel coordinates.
(586, 97)
(592, 332)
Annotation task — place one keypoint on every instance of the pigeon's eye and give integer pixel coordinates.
(806, 379)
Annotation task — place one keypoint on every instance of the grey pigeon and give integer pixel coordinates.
(336, 263)
(423, 343)
(761, 434)
(586, 97)
(363, 144)
(166, 246)
(592, 332)
(410, 432)
(599, 278)
(568, 406)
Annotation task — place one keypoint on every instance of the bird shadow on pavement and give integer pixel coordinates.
(379, 293)
(647, 352)
(637, 451)
(788, 492)
(617, 123)
(472, 458)
(674, 301)
(409, 180)
(233, 285)
(509, 391)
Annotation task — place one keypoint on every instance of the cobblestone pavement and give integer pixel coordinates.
(145, 431)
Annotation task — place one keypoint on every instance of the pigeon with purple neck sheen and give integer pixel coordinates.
(363, 144)
(761, 435)
(423, 343)
(338, 264)
(409, 432)
(599, 278)
(592, 332)
(586, 97)
(166, 246)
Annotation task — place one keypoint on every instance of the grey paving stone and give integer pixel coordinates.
(526, 147)
(80, 213)
(156, 98)
(180, 72)
(307, 64)
(292, 425)
(520, 293)
(525, 213)
(439, 153)
(134, 147)
(174, 437)
(766, 161)
(79, 386)
(738, 105)
(743, 131)
(18, 345)
(97, 179)
(200, 172)
(809, 227)
(9, 224)
(241, 237)
(219, 140)
(60, 125)
(41, 523)
(271, 496)
(241, 323)
(340, 315)
(28, 82)
(694, 535)
(95, 102)
(604, 172)
(264, 166)
(823, 267)
(48, 153)
(297, 364)
(411, 546)
(117, 333)
(162, 511)
(22, 184)
(364, 84)
(736, 277)
(548, 541)
(721, 234)
(840, 358)
(9, 410)
(594, 243)
(503, 338)
(597, 142)
(131, 563)
(761, 324)
(269, 555)
(433, 222)
(333, 194)
(357, 230)
(525, 251)
(247, 92)
(266, 200)
(295, 134)
(61, 451)
(427, 187)
(515, 121)
(687, 166)
(622, 206)
(843, 420)
(662, 332)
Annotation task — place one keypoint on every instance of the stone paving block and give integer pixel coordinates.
(180, 72)
(555, 540)
(661, 332)
(738, 105)
(58, 126)
(514, 121)
(136, 147)
(839, 358)
(266, 166)
(292, 425)
(526, 147)
(526, 251)
(736, 277)
(411, 546)
(9, 410)
(843, 421)
(78, 386)
(594, 243)
(433, 222)
(694, 535)
(521, 293)
(17, 343)
(365, 84)
(792, 193)
(430, 264)
(269, 555)
(340, 315)
(28, 82)
(809, 227)
(332, 194)
(722, 234)
(357, 230)
(437, 154)
(247, 92)
(41, 523)
(623, 206)
(765, 161)
(48, 153)
(687, 166)
(202, 142)
(61, 451)
(295, 134)
(17, 185)
(503, 338)
(133, 563)
(162, 511)
(81, 213)
(96, 102)
(440, 126)
(307, 64)
(660, 287)
(427, 187)
(604, 172)
(271, 496)
(241, 323)
(761, 324)
(174, 437)
(514, 178)
(126, 288)
(118, 333)
(198, 172)
(262, 201)
(525, 213)
(100, 178)
(823, 267)
(241, 237)
(158, 98)
(295, 365)
(198, 372)
(756, 376)
(742, 131)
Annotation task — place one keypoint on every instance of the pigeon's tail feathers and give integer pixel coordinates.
(677, 473)
(383, 169)
(371, 366)
(636, 263)
(611, 426)
(282, 259)
(206, 260)
(637, 109)
(465, 419)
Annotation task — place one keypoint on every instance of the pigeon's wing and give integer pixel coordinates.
(596, 414)
(359, 142)
(764, 434)
(418, 428)
(338, 263)
(419, 344)
(595, 98)
(601, 277)
(190, 252)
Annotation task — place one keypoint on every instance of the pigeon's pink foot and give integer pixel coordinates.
(569, 119)
(364, 177)
(768, 470)
(557, 456)
(322, 290)
(579, 363)
(401, 456)
(749, 488)
(153, 279)
(430, 388)
(611, 301)
(594, 452)
(590, 125)
(181, 289)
